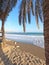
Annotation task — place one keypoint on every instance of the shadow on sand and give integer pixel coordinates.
(4, 58)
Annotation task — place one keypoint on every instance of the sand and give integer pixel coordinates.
(14, 53)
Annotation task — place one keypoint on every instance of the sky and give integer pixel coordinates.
(12, 23)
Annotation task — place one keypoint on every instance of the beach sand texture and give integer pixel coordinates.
(14, 53)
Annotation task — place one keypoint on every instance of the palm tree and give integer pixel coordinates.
(46, 29)
(5, 7)
(41, 11)
(45, 8)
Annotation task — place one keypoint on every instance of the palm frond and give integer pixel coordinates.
(20, 18)
(20, 14)
(32, 7)
(24, 15)
(29, 17)
(26, 8)
(24, 25)
(40, 15)
(6, 7)
(28, 11)
(37, 11)
(40, 10)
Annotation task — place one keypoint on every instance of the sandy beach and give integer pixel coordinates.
(14, 53)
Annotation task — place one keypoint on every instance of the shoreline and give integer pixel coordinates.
(35, 40)
(16, 52)
(29, 48)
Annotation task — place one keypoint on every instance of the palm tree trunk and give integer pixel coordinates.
(2, 29)
(46, 30)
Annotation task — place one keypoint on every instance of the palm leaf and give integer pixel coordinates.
(24, 25)
(29, 16)
(20, 18)
(36, 11)
(27, 7)
(24, 10)
(32, 7)
(40, 11)
(24, 14)
(7, 6)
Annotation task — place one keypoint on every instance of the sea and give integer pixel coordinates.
(27, 38)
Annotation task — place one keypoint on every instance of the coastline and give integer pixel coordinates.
(28, 39)
(22, 50)
(33, 49)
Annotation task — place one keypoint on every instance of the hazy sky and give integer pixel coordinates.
(12, 24)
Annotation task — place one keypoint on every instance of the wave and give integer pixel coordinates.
(29, 39)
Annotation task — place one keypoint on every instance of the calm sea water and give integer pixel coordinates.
(26, 33)
(28, 38)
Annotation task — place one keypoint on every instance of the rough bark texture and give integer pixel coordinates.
(46, 30)
(2, 29)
